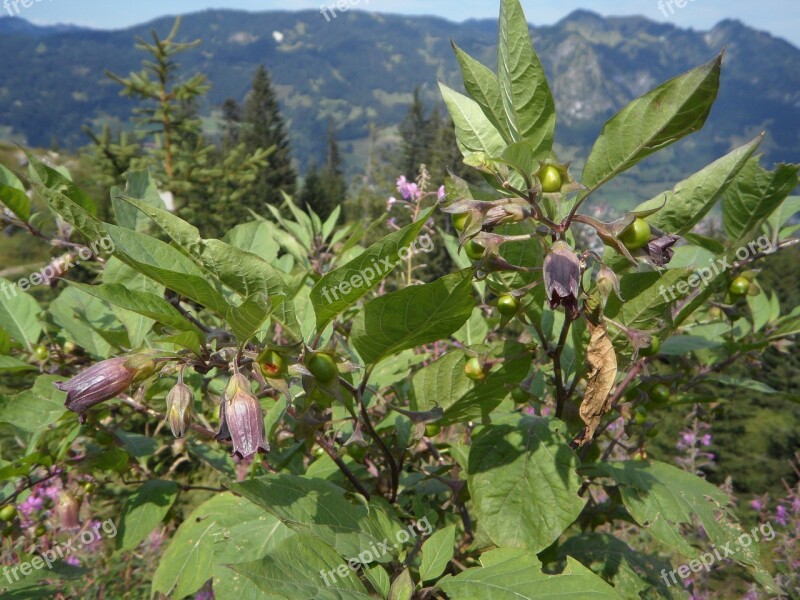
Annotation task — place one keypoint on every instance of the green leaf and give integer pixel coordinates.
(402, 587)
(223, 529)
(693, 198)
(437, 552)
(481, 83)
(416, 315)
(632, 573)
(482, 398)
(659, 118)
(527, 101)
(379, 260)
(143, 511)
(295, 569)
(140, 186)
(245, 273)
(523, 483)
(57, 182)
(663, 499)
(142, 303)
(19, 314)
(80, 316)
(9, 364)
(474, 131)
(12, 194)
(256, 238)
(521, 578)
(319, 508)
(440, 383)
(646, 297)
(34, 409)
(753, 197)
(168, 266)
(678, 345)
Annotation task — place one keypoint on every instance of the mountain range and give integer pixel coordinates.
(360, 69)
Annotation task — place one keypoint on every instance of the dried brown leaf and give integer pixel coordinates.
(602, 374)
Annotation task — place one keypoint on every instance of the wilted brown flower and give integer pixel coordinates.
(660, 249)
(562, 275)
(103, 381)
(180, 407)
(66, 511)
(241, 419)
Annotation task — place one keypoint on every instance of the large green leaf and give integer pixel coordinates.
(754, 196)
(481, 83)
(362, 273)
(140, 186)
(523, 483)
(222, 530)
(416, 315)
(142, 303)
(245, 273)
(440, 383)
(256, 237)
(693, 198)
(437, 552)
(168, 266)
(483, 397)
(663, 499)
(319, 508)
(143, 511)
(19, 314)
(633, 574)
(82, 318)
(303, 567)
(474, 131)
(527, 101)
(12, 194)
(56, 181)
(657, 119)
(520, 577)
(34, 409)
(646, 297)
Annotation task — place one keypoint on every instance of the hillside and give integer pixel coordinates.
(362, 67)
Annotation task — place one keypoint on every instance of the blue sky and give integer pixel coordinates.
(779, 17)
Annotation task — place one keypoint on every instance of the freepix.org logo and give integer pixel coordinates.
(378, 270)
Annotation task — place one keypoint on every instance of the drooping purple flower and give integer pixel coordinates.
(756, 505)
(660, 249)
(66, 511)
(782, 515)
(706, 440)
(103, 381)
(31, 504)
(241, 419)
(180, 407)
(562, 275)
(441, 193)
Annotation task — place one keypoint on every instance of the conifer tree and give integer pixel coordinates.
(264, 127)
(416, 138)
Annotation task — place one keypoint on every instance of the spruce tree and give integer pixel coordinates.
(325, 189)
(263, 127)
(416, 138)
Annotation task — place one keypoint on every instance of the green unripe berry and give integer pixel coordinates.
(7, 513)
(41, 353)
(520, 396)
(459, 220)
(432, 430)
(739, 286)
(474, 250)
(660, 394)
(550, 177)
(652, 348)
(474, 370)
(507, 305)
(323, 367)
(636, 235)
